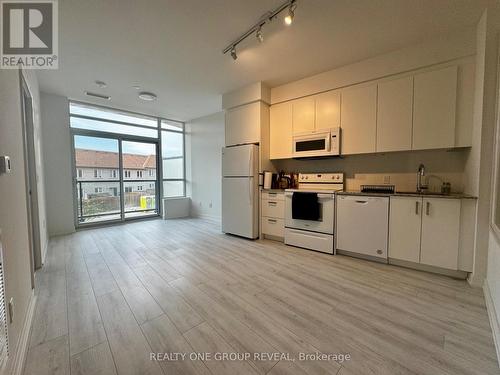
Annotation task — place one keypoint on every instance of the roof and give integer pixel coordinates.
(106, 159)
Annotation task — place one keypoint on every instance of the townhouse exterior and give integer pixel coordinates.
(97, 172)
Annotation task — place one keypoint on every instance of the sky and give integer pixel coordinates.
(111, 145)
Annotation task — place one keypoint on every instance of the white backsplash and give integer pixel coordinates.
(396, 168)
(405, 181)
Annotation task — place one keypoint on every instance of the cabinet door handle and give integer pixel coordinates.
(271, 203)
(417, 207)
(272, 194)
(272, 221)
(427, 208)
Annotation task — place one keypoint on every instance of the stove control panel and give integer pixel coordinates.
(328, 178)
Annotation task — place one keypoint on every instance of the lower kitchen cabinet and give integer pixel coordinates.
(273, 214)
(405, 224)
(440, 232)
(425, 231)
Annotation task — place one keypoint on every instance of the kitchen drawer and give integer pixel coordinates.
(273, 227)
(309, 240)
(273, 195)
(273, 208)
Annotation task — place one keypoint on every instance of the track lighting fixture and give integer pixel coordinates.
(259, 35)
(233, 53)
(291, 13)
(290, 5)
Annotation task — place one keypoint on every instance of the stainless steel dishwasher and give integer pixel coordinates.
(362, 226)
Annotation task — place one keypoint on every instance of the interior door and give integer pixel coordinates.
(31, 180)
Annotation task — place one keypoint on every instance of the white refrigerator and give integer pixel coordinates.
(240, 190)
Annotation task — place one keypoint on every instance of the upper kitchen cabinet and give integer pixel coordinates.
(243, 124)
(303, 115)
(359, 120)
(280, 131)
(394, 115)
(434, 112)
(327, 110)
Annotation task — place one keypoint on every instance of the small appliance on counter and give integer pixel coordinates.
(268, 180)
(310, 211)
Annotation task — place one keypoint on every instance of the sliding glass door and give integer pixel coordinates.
(116, 177)
(140, 180)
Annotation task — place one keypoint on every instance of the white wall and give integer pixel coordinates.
(56, 141)
(13, 208)
(205, 139)
(493, 287)
(480, 163)
(431, 52)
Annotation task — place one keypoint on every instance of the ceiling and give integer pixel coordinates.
(173, 48)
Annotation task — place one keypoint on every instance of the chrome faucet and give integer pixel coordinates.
(421, 186)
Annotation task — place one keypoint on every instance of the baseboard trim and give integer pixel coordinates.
(16, 366)
(492, 314)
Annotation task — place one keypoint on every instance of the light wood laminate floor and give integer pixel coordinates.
(109, 297)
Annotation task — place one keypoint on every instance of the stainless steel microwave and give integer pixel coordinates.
(318, 143)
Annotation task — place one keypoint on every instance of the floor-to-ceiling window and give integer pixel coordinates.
(172, 154)
(124, 163)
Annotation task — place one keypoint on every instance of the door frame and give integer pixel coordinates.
(33, 219)
(120, 138)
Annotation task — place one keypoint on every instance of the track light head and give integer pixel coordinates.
(290, 14)
(259, 35)
(233, 53)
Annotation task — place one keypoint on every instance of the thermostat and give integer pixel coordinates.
(4, 164)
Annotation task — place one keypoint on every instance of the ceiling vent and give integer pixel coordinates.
(95, 95)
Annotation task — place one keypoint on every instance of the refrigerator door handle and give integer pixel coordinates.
(250, 158)
(250, 191)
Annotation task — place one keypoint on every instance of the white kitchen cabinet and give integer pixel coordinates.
(273, 214)
(280, 131)
(394, 115)
(303, 114)
(405, 228)
(425, 230)
(440, 232)
(434, 109)
(359, 120)
(327, 110)
(243, 124)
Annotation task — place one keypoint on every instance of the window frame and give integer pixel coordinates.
(162, 178)
(158, 140)
(495, 191)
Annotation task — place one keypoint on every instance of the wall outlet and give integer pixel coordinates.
(210, 205)
(200, 204)
(387, 179)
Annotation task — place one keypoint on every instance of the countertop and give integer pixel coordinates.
(410, 194)
(273, 190)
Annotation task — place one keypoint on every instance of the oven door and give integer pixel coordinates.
(311, 144)
(325, 222)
